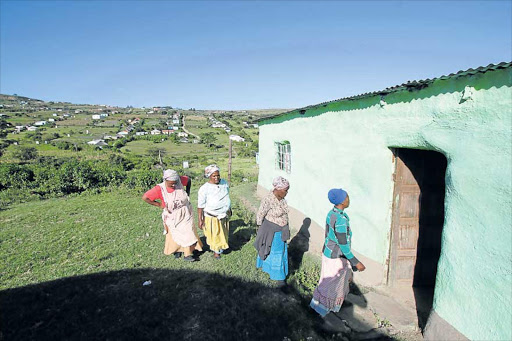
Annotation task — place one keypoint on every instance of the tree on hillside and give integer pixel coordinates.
(24, 153)
(208, 139)
(156, 153)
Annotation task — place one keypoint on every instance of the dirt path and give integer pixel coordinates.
(188, 132)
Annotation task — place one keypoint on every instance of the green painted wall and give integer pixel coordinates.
(346, 144)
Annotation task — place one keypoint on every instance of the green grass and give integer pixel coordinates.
(73, 268)
(142, 146)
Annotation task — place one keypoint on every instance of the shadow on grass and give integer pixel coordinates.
(299, 245)
(238, 237)
(178, 305)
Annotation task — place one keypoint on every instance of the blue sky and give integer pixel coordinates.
(239, 54)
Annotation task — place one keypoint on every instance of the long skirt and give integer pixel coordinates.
(333, 286)
(217, 233)
(276, 263)
(171, 246)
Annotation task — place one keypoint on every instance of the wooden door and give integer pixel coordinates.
(405, 220)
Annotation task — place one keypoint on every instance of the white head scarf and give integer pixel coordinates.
(171, 175)
(210, 170)
(280, 183)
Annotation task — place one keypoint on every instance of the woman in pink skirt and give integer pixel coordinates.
(337, 259)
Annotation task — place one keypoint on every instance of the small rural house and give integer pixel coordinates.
(96, 117)
(427, 165)
(236, 138)
(40, 123)
(155, 132)
(123, 133)
(99, 143)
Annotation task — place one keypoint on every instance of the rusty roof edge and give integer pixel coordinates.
(403, 86)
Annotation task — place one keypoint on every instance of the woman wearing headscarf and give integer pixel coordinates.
(273, 232)
(214, 210)
(337, 258)
(180, 234)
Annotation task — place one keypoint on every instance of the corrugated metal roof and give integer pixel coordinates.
(404, 86)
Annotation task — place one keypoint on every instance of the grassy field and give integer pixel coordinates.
(73, 268)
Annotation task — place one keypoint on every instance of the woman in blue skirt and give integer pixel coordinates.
(273, 232)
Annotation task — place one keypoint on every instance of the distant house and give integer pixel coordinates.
(167, 131)
(96, 117)
(123, 133)
(182, 134)
(236, 138)
(31, 128)
(51, 120)
(66, 115)
(184, 140)
(20, 128)
(54, 115)
(99, 143)
(155, 132)
(104, 115)
(175, 128)
(141, 133)
(175, 121)
(40, 123)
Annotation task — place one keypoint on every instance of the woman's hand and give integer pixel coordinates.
(360, 266)
(200, 224)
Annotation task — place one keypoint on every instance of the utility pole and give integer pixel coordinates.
(229, 162)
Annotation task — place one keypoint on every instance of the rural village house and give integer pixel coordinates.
(236, 138)
(427, 165)
(98, 143)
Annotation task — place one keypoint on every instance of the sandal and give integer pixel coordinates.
(189, 259)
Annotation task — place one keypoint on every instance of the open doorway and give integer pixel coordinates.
(417, 224)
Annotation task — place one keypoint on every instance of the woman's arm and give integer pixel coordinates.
(340, 230)
(153, 202)
(189, 184)
(262, 211)
(200, 217)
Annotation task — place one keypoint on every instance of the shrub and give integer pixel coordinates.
(12, 175)
(143, 179)
(24, 153)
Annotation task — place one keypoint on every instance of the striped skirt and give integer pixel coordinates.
(333, 286)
